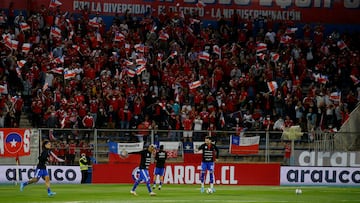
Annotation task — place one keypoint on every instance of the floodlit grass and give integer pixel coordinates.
(104, 193)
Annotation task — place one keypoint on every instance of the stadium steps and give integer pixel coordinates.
(25, 121)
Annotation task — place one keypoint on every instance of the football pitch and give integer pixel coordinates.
(104, 193)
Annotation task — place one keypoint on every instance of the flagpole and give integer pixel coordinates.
(17, 178)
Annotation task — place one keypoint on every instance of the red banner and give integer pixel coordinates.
(327, 11)
(189, 173)
(14, 142)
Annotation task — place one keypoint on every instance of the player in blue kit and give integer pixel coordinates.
(159, 170)
(144, 169)
(210, 153)
(41, 171)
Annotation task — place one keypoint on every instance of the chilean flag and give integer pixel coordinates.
(130, 73)
(261, 47)
(118, 154)
(291, 30)
(173, 54)
(195, 84)
(285, 39)
(24, 26)
(127, 48)
(272, 86)
(93, 23)
(139, 47)
(204, 56)
(14, 44)
(217, 50)
(69, 74)
(55, 31)
(54, 3)
(200, 4)
(14, 143)
(261, 56)
(21, 63)
(58, 70)
(164, 36)
(274, 56)
(335, 96)
(119, 37)
(354, 79)
(159, 57)
(141, 61)
(128, 63)
(341, 44)
(244, 145)
(140, 69)
(26, 47)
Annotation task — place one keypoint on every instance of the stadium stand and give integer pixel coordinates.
(158, 70)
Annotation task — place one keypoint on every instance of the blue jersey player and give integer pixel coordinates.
(210, 153)
(41, 171)
(159, 170)
(144, 169)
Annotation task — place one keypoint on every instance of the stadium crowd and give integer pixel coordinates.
(173, 71)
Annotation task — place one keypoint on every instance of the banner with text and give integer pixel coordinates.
(347, 11)
(316, 176)
(14, 142)
(58, 174)
(189, 173)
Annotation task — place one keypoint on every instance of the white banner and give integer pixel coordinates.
(58, 174)
(130, 147)
(320, 176)
(170, 145)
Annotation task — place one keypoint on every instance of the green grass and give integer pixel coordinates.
(177, 193)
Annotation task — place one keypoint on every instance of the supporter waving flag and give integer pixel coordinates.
(26, 48)
(261, 47)
(54, 3)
